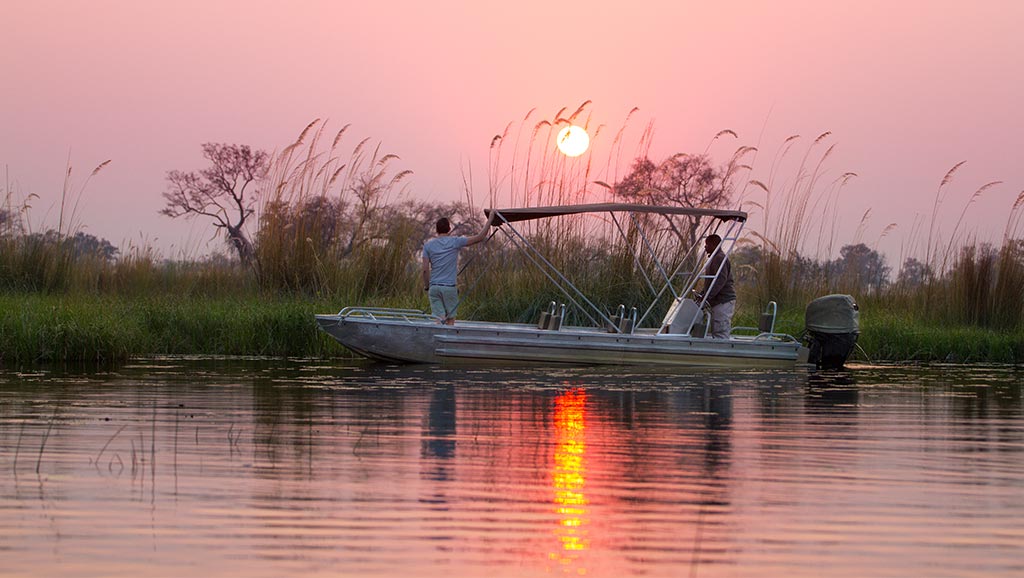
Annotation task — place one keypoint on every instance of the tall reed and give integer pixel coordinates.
(324, 215)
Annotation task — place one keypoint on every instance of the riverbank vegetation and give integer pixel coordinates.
(40, 328)
(337, 225)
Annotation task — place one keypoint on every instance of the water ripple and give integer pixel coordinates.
(268, 468)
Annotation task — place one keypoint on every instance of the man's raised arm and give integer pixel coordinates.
(482, 235)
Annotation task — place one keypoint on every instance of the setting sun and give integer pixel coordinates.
(573, 141)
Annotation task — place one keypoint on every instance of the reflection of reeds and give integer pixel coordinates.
(176, 419)
(96, 460)
(152, 455)
(46, 436)
(17, 448)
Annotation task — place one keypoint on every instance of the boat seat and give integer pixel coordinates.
(551, 320)
(555, 322)
(545, 316)
(625, 323)
(682, 318)
(616, 319)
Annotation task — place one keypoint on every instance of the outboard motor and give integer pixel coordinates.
(833, 324)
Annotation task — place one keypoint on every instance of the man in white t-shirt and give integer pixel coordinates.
(440, 267)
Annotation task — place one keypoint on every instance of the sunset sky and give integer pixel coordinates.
(908, 89)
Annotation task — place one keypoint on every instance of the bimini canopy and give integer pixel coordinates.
(530, 213)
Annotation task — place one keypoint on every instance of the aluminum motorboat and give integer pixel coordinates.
(601, 335)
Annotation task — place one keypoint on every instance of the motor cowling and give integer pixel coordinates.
(832, 326)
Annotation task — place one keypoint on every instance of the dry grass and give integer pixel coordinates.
(964, 281)
(324, 215)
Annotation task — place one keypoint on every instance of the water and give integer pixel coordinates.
(176, 467)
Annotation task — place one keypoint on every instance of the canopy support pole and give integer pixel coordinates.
(527, 245)
(636, 258)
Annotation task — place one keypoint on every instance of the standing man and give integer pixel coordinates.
(440, 267)
(721, 295)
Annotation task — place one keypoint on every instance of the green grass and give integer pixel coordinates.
(892, 337)
(37, 328)
(48, 328)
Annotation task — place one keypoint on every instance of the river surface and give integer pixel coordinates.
(199, 467)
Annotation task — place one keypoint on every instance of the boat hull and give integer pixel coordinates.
(490, 343)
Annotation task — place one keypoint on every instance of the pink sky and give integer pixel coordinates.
(908, 89)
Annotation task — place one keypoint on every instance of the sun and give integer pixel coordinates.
(573, 140)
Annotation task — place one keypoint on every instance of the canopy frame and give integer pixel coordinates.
(733, 222)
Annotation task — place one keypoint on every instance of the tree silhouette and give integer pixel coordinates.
(220, 192)
(79, 245)
(859, 265)
(682, 179)
(914, 273)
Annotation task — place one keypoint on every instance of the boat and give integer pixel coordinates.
(610, 335)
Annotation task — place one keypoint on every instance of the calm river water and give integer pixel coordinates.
(191, 467)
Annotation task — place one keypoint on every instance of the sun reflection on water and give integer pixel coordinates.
(568, 478)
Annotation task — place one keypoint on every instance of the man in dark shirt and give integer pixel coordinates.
(721, 295)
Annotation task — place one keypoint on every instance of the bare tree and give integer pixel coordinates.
(683, 180)
(221, 192)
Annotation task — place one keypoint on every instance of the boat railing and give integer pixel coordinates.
(766, 323)
(769, 337)
(765, 327)
(387, 314)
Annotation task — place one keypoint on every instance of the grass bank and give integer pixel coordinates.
(47, 328)
(897, 337)
(901, 337)
(39, 328)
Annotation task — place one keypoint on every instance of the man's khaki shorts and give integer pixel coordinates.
(444, 300)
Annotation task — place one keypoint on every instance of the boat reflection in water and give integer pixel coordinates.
(568, 478)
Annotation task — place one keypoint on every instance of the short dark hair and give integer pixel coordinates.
(714, 238)
(443, 225)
